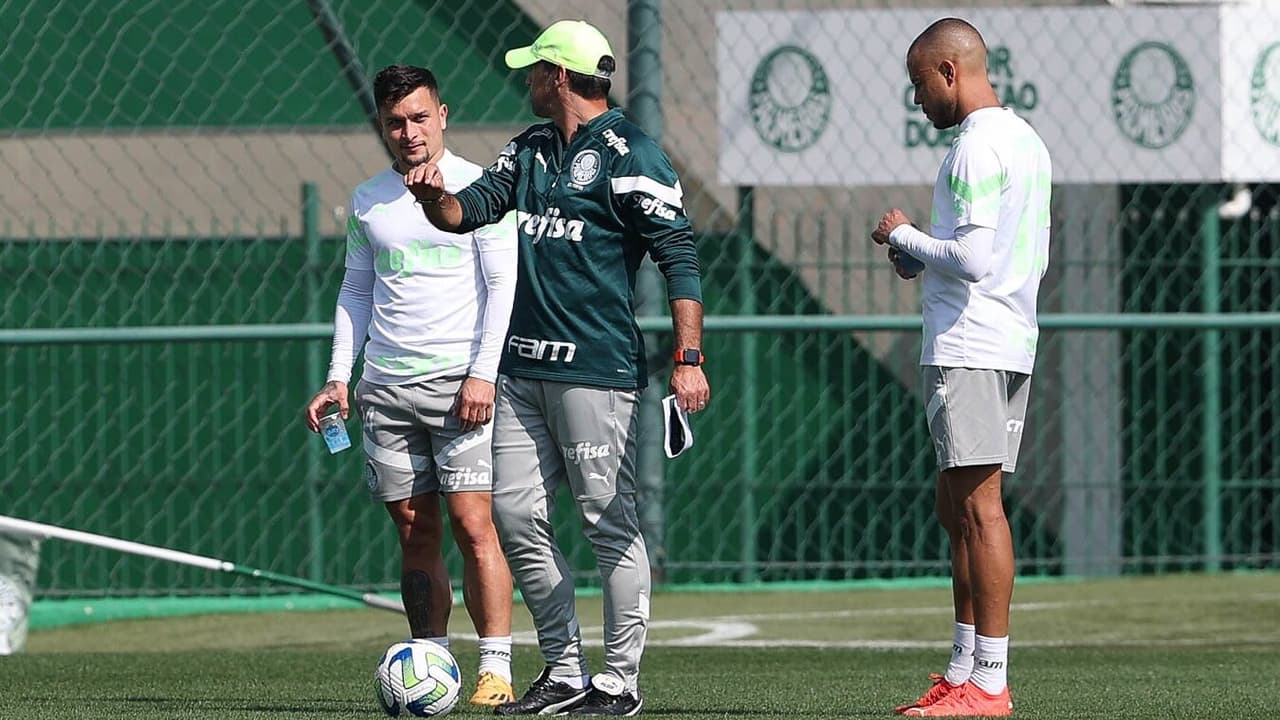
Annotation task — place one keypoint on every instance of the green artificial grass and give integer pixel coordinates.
(1157, 648)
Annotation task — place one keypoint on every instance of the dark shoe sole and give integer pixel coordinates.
(560, 708)
(634, 711)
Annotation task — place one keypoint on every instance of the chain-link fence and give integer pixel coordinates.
(156, 156)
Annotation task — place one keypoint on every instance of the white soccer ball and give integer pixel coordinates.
(417, 678)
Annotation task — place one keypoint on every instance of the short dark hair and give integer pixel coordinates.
(590, 86)
(394, 83)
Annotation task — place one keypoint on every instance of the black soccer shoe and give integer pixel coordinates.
(544, 697)
(600, 702)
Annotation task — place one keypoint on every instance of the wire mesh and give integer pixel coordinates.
(154, 156)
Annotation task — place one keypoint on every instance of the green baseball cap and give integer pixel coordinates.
(572, 44)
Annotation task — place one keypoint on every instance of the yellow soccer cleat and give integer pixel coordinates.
(492, 690)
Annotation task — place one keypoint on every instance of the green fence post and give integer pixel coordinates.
(749, 401)
(644, 106)
(1211, 385)
(315, 361)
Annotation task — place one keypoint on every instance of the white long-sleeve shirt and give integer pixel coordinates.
(430, 303)
(987, 246)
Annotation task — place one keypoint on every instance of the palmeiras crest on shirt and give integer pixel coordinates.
(1153, 95)
(790, 99)
(1264, 93)
(584, 168)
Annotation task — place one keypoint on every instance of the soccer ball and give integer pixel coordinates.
(417, 678)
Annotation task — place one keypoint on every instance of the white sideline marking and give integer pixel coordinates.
(737, 631)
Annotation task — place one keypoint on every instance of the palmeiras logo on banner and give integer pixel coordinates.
(1153, 95)
(1264, 93)
(790, 99)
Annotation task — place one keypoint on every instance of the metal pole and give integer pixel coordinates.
(336, 38)
(644, 66)
(749, 401)
(311, 236)
(644, 106)
(1211, 386)
(253, 332)
(39, 531)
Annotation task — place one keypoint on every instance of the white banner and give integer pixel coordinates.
(1137, 95)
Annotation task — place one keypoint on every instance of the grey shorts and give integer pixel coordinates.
(975, 416)
(413, 445)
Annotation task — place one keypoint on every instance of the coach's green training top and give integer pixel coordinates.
(587, 212)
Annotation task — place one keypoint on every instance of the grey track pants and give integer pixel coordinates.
(545, 433)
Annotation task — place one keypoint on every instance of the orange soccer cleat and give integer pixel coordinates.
(967, 700)
(938, 690)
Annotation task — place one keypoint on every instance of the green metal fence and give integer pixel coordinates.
(814, 462)
(167, 286)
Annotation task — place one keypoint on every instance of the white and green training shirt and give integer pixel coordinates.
(992, 193)
(432, 303)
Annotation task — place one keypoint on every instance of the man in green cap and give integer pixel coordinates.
(593, 195)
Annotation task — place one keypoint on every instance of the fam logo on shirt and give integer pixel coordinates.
(1264, 93)
(1153, 95)
(790, 99)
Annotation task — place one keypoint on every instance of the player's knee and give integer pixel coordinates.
(421, 534)
(608, 527)
(507, 511)
(522, 528)
(979, 515)
(475, 534)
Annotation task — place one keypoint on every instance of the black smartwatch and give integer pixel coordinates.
(690, 356)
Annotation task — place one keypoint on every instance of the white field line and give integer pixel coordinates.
(936, 609)
(739, 631)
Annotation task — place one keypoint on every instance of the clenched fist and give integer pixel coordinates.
(888, 223)
(425, 182)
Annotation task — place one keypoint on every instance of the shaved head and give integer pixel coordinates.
(951, 39)
(947, 65)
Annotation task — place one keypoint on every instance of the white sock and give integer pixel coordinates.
(495, 656)
(441, 641)
(577, 682)
(961, 665)
(991, 663)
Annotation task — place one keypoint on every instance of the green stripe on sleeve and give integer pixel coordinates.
(355, 234)
(974, 192)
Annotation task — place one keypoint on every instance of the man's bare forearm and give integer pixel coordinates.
(686, 323)
(445, 212)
